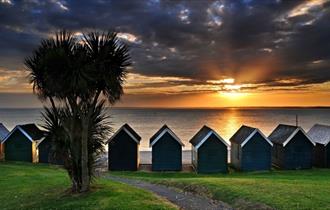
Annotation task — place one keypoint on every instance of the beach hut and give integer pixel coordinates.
(209, 152)
(44, 150)
(293, 149)
(166, 150)
(250, 150)
(320, 135)
(123, 150)
(21, 143)
(46, 153)
(3, 133)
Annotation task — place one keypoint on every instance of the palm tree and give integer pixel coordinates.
(77, 77)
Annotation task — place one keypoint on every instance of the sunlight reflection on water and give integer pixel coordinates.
(186, 122)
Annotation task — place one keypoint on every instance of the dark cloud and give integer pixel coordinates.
(254, 41)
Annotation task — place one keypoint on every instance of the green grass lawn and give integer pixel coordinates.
(306, 189)
(28, 186)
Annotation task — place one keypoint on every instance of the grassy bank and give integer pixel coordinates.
(307, 189)
(28, 186)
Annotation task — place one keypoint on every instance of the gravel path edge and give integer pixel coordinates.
(184, 200)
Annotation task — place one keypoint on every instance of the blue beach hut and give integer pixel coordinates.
(250, 150)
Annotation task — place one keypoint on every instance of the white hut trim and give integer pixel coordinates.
(126, 131)
(166, 130)
(252, 134)
(294, 133)
(207, 136)
(21, 130)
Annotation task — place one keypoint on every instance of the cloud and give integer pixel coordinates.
(257, 43)
(14, 81)
(6, 2)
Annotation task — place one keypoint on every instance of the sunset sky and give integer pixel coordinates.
(194, 53)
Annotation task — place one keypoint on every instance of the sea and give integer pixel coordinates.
(185, 122)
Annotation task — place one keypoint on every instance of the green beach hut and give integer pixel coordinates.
(166, 150)
(21, 143)
(209, 152)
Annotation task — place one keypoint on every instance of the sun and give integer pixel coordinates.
(229, 89)
(232, 91)
(233, 95)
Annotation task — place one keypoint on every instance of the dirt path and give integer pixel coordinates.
(184, 200)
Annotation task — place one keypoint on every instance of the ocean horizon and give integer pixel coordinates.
(185, 122)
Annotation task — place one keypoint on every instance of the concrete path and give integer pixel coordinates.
(184, 200)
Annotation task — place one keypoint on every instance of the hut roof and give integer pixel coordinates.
(3, 132)
(320, 134)
(130, 131)
(282, 134)
(31, 131)
(161, 132)
(245, 133)
(202, 135)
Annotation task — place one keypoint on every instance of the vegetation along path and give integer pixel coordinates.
(184, 200)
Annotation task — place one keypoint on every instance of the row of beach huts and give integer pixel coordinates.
(287, 147)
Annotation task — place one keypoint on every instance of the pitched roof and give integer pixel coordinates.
(320, 134)
(3, 132)
(198, 137)
(130, 131)
(31, 131)
(245, 133)
(242, 134)
(202, 135)
(282, 134)
(164, 129)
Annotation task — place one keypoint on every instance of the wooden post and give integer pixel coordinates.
(2, 151)
(35, 155)
(138, 157)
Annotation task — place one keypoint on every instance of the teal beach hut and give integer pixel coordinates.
(166, 150)
(123, 150)
(209, 152)
(21, 143)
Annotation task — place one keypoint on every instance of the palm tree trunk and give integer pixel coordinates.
(85, 178)
(76, 139)
(84, 153)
